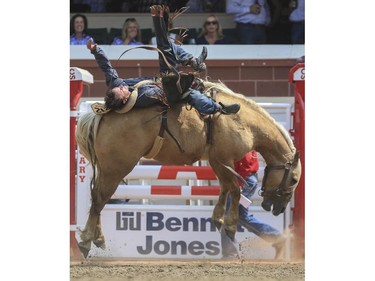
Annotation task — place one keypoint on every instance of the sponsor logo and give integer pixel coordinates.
(128, 221)
(156, 221)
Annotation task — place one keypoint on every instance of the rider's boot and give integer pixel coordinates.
(198, 63)
(229, 109)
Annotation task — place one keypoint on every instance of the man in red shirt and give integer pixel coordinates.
(247, 167)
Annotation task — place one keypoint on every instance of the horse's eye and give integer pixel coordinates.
(293, 181)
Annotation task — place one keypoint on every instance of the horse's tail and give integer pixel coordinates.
(85, 135)
(87, 126)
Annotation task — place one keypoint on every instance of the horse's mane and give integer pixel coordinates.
(221, 87)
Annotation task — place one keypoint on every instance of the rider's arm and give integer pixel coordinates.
(111, 76)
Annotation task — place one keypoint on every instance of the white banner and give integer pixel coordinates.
(173, 232)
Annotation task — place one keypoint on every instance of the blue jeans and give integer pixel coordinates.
(251, 34)
(202, 103)
(248, 221)
(173, 53)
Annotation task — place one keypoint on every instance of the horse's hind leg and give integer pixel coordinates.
(88, 234)
(103, 190)
(99, 237)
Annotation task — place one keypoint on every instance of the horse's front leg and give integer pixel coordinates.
(230, 221)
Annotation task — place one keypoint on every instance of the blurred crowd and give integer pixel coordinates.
(143, 6)
(256, 22)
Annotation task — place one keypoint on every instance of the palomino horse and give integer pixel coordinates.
(114, 143)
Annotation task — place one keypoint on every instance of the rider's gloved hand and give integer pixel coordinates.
(90, 45)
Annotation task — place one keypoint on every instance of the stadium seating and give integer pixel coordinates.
(113, 32)
(99, 34)
(146, 34)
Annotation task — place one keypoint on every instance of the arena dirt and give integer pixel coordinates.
(238, 270)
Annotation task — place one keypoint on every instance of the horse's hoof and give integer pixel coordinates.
(100, 243)
(230, 234)
(83, 249)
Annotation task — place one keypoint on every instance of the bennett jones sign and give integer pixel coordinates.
(163, 232)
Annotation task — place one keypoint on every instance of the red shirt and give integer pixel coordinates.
(249, 164)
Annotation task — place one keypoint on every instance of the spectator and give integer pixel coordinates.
(211, 33)
(78, 28)
(205, 6)
(195, 6)
(278, 31)
(77, 7)
(130, 34)
(297, 18)
(214, 6)
(247, 168)
(118, 6)
(143, 6)
(175, 5)
(251, 18)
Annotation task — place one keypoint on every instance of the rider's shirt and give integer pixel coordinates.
(148, 94)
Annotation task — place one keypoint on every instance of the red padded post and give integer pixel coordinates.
(297, 77)
(78, 78)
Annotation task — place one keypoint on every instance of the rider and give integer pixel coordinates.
(120, 90)
(247, 167)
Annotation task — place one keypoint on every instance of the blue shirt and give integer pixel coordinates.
(148, 94)
(241, 11)
(79, 41)
(119, 41)
(298, 14)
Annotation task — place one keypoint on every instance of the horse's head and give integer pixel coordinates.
(279, 183)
